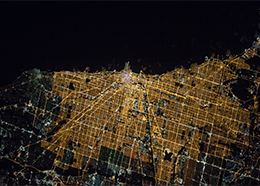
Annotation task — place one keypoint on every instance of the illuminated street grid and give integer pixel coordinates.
(184, 127)
(183, 122)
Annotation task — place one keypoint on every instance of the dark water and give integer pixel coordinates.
(155, 37)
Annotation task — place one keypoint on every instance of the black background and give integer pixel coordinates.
(160, 36)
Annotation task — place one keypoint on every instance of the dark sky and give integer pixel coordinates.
(73, 35)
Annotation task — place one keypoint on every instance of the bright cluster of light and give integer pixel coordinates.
(126, 75)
